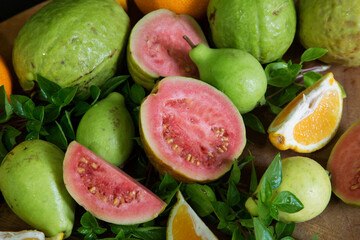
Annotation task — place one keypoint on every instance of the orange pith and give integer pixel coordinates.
(195, 8)
(5, 77)
(306, 132)
(183, 225)
(310, 121)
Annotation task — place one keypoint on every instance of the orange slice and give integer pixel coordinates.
(5, 77)
(28, 235)
(185, 224)
(311, 119)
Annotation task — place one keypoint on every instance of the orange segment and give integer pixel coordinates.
(311, 120)
(5, 77)
(185, 224)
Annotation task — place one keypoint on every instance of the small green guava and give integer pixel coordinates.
(72, 43)
(264, 28)
(308, 181)
(333, 25)
(108, 130)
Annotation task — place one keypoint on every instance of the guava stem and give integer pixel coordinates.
(187, 39)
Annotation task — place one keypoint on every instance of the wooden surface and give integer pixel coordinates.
(338, 221)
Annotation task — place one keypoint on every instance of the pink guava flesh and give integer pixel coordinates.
(158, 44)
(106, 191)
(192, 128)
(344, 166)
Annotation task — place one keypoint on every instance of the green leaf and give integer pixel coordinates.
(126, 229)
(235, 173)
(285, 96)
(168, 182)
(315, 237)
(48, 88)
(137, 93)
(311, 54)
(84, 230)
(95, 93)
(311, 77)
(80, 108)
(52, 112)
(233, 195)
(274, 172)
(200, 199)
(284, 229)
(66, 125)
(261, 232)
(5, 107)
(22, 106)
(9, 137)
(344, 95)
(57, 136)
(236, 235)
(274, 109)
(3, 150)
(274, 213)
(65, 96)
(32, 135)
(33, 125)
(221, 210)
(287, 202)
(264, 209)
(150, 233)
(112, 83)
(253, 122)
(266, 190)
(88, 220)
(99, 230)
(287, 238)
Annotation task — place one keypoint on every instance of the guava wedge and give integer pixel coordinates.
(190, 130)
(106, 191)
(156, 47)
(344, 166)
(72, 43)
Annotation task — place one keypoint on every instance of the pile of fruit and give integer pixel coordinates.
(138, 130)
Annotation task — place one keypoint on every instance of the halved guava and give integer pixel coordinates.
(344, 166)
(190, 130)
(156, 47)
(105, 191)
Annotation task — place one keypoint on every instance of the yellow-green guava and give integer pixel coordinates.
(308, 181)
(264, 28)
(334, 25)
(73, 43)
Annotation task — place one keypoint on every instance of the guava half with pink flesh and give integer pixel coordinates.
(344, 166)
(191, 130)
(106, 191)
(156, 47)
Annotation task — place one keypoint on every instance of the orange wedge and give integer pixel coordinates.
(5, 77)
(185, 224)
(311, 119)
(28, 235)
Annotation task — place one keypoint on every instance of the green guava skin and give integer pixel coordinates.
(31, 181)
(310, 183)
(108, 130)
(264, 28)
(72, 43)
(234, 72)
(333, 25)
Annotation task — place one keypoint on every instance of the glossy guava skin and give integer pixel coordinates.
(234, 72)
(334, 25)
(308, 181)
(108, 129)
(31, 181)
(72, 43)
(264, 28)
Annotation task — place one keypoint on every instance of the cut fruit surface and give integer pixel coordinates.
(344, 165)
(107, 192)
(157, 49)
(191, 130)
(310, 120)
(185, 224)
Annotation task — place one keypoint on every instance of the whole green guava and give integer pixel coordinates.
(72, 43)
(308, 181)
(264, 28)
(333, 25)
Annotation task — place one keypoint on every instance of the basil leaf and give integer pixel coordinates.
(48, 88)
(274, 109)
(261, 232)
(252, 121)
(88, 220)
(311, 77)
(233, 195)
(9, 136)
(274, 172)
(285, 96)
(95, 93)
(274, 213)
(66, 125)
(284, 229)
(32, 135)
(137, 93)
(5, 107)
(126, 229)
(287, 238)
(150, 233)
(3, 150)
(66, 95)
(287, 202)
(266, 190)
(57, 136)
(84, 230)
(271, 67)
(51, 112)
(311, 54)
(22, 106)
(235, 173)
(221, 210)
(80, 108)
(112, 83)
(236, 235)
(200, 199)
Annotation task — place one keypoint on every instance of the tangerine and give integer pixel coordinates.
(311, 119)
(5, 77)
(194, 8)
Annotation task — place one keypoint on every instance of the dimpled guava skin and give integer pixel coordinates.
(31, 181)
(72, 43)
(333, 25)
(264, 28)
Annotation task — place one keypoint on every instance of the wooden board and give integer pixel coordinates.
(338, 221)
